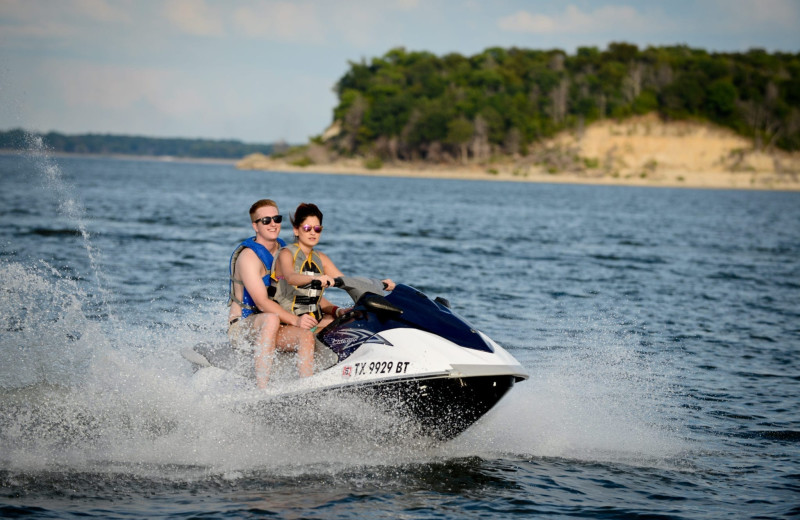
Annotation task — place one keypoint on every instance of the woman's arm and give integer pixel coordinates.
(286, 269)
(329, 267)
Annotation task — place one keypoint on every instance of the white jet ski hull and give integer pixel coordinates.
(444, 378)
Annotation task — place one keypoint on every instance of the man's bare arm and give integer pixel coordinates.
(252, 271)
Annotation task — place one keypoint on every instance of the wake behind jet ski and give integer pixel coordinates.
(404, 352)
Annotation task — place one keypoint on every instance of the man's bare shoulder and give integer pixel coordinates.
(248, 259)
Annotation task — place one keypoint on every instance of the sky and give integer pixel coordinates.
(263, 71)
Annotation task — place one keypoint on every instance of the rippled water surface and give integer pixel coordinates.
(660, 328)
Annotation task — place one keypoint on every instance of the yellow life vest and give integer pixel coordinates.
(304, 299)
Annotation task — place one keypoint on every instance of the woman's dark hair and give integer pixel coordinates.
(305, 210)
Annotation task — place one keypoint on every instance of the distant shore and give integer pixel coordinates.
(641, 151)
(157, 158)
(670, 179)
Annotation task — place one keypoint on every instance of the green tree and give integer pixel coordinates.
(721, 100)
(511, 97)
(459, 133)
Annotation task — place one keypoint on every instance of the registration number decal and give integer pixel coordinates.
(376, 367)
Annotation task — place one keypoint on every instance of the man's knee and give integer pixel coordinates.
(268, 322)
(307, 337)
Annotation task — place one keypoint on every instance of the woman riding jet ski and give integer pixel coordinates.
(404, 351)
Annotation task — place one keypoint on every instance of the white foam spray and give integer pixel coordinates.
(70, 400)
(597, 396)
(46, 338)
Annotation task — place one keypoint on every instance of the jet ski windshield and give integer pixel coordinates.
(404, 307)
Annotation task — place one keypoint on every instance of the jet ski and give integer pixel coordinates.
(409, 354)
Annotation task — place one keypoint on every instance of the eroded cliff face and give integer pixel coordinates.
(647, 144)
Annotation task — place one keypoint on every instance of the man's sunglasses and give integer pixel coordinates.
(266, 220)
(308, 228)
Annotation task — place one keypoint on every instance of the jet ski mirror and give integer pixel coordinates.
(442, 301)
(380, 305)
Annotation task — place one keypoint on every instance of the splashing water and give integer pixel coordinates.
(46, 337)
(70, 399)
(598, 396)
(69, 205)
(75, 396)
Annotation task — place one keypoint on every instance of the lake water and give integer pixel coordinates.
(660, 328)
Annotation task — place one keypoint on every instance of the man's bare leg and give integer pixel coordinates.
(295, 339)
(267, 326)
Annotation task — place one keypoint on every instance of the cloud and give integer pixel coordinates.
(406, 5)
(102, 10)
(722, 16)
(358, 26)
(293, 22)
(166, 101)
(194, 17)
(116, 88)
(43, 29)
(16, 11)
(357, 22)
(574, 20)
(364, 23)
(38, 19)
(745, 14)
(32, 11)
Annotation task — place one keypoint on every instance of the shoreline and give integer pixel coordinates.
(125, 157)
(666, 179)
(756, 181)
(638, 151)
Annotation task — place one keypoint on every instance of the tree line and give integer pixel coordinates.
(416, 105)
(107, 144)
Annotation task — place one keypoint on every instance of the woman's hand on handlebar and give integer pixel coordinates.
(325, 280)
(388, 284)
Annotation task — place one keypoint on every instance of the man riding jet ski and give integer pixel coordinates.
(404, 351)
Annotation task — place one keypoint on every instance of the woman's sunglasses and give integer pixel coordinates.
(308, 228)
(266, 220)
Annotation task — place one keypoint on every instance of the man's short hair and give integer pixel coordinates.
(260, 204)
